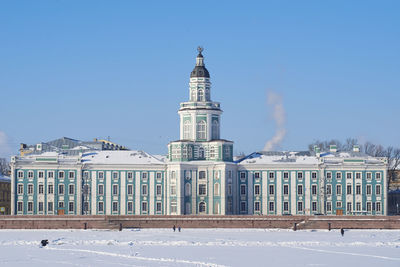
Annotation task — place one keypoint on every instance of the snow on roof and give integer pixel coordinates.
(5, 179)
(273, 157)
(120, 157)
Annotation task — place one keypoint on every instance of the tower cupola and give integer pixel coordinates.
(200, 70)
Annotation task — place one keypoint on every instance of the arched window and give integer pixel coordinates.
(201, 153)
(201, 130)
(216, 208)
(188, 189)
(200, 95)
(215, 130)
(202, 207)
(216, 189)
(186, 130)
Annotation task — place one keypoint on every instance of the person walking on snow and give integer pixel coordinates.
(173, 228)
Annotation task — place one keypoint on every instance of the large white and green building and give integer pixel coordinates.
(198, 176)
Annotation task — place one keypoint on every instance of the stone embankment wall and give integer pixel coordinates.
(115, 222)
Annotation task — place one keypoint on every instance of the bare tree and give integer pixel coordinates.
(4, 166)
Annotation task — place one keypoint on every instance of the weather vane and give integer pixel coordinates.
(200, 49)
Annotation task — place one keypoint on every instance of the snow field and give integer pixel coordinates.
(200, 247)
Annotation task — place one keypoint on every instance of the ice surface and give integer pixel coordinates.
(200, 247)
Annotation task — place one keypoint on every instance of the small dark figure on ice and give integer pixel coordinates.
(342, 231)
(44, 242)
(179, 229)
(174, 228)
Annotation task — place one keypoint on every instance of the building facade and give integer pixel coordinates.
(199, 175)
(5, 195)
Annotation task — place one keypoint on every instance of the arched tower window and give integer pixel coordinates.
(201, 130)
(200, 95)
(216, 189)
(201, 153)
(202, 207)
(188, 189)
(186, 130)
(215, 130)
(193, 95)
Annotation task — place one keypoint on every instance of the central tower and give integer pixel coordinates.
(200, 122)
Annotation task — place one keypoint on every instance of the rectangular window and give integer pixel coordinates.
(130, 206)
(30, 189)
(41, 189)
(271, 207)
(271, 189)
(369, 175)
(60, 175)
(314, 189)
(40, 208)
(115, 206)
(358, 175)
(300, 206)
(144, 189)
(100, 189)
(30, 174)
(229, 190)
(101, 206)
(242, 175)
(257, 206)
(369, 207)
(313, 175)
(242, 206)
(115, 190)
(30, 206)
(369, 189)
(328, 206)
(378, 176)
(50, 189)
(61, 204)
(41, 175)
(20, 189)
(285, 175)
(50, 206)
(285, 189)
(61, 189)
(358, 206)
(328, 175)
(299, 175)
(271, 175)
(100, 175)
(158, 190)
(358, 189)
(338, 175)
(338, 204)
(348, 190)
(50, 174)
(349, 175)
(285, 206)
(202, 189)
(71, 207)
(173, 190)
(20, 174)
(71, 189)
(158, 176)
(257, 175)
(158, 207)
(329, 189)
(378, 189)
(348, 206)
(130, 175)
(20, 206)
(173, 207)
(242, 189)
(300, 189)
(338, 189)
(144, 175)
(144, 206)
(314, 206)
(71, 175)
(130, 190)
(115, 175)
(257, 190)
(85, 175)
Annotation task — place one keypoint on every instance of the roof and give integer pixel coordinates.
(5, 179)
(120, 157)
(279, 157)
(199, 71)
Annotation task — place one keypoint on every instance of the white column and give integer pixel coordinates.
(151, 194)
(279, 193)
(210, 190)
(13, 195)
(250, 195)
(293, 195)
(108, 198)
(222, 190)
(94, 193)
(307, 189)
(79, 191)
(264, 190)
(193, 175)
(122, 199)
(209, 126)
(137, 193)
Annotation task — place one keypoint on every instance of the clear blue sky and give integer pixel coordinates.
(86, 69)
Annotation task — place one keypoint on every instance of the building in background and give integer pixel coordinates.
(198, 176)
(5, 195)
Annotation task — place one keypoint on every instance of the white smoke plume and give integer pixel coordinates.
(4, 146)
(275, 102)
